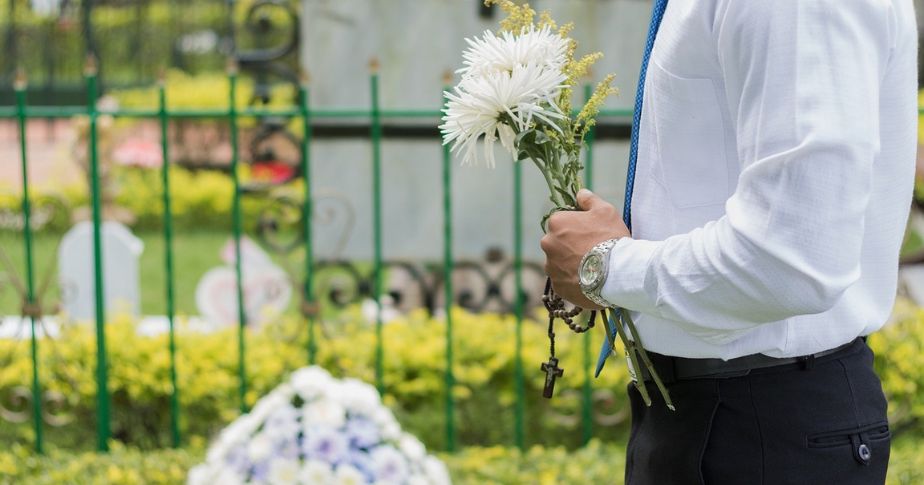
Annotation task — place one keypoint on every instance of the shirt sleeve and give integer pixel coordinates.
(802, 82)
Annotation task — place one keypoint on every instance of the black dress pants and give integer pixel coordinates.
(821, 422)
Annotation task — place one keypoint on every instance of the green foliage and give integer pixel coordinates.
(199, 200)
(906, 465)
(595, 463)
(122, 466)
(139, 380)
(484, 363)
(899, 349)
(201, 91)
(414, 364)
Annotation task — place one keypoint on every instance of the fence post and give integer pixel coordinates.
(236, 230)
(30, 307)
(168, 260)
(447, 282)
(102, 387)
(376, 134)
(518, 301)
(587, 401)
(307, 213)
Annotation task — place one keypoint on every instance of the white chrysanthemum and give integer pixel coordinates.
(436, 471)
(491, 53)
(342, 435)
(389, 464)
(412, 447)
(358, 397)
(481, 106)
(326, 412)
(283, 472)
(236, 432)
(279, 397)
(260, 447)
(314, 471)
(310, 382)
(349, 475)
(201, 475)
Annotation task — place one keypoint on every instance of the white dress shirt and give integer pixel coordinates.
(775, 172)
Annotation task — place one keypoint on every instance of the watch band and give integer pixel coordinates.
(593, 292)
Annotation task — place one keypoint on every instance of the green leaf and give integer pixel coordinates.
(525, 136)
(568, 197)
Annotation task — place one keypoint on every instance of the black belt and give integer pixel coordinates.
(680, 368)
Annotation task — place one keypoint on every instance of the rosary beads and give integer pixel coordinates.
(555, 305)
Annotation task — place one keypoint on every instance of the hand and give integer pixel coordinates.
(570, 235)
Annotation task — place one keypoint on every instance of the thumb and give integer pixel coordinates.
(587, 200)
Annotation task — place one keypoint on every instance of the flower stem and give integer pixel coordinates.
(633, 358)
(646, 360)
(553, 193)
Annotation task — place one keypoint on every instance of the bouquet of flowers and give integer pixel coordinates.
(318, 430)
(516, 87)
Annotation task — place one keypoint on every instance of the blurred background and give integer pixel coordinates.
(304, 133)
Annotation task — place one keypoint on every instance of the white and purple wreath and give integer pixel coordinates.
(315, 429)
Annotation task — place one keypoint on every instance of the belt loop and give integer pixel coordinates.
(807, 362)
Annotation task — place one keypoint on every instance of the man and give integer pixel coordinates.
(776, 156)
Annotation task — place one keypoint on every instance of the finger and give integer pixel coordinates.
(545, 243)
(588, 200)
(554, 221)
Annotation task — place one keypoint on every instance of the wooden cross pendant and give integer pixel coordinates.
(552, 371)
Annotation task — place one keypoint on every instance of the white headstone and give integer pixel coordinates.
(266, 286)
(121, 251)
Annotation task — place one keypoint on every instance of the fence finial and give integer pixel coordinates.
(374, 65)
(303, 77)
(90, 66)
(19, 81)
(231, 66)
(447, 77)
(162, 77)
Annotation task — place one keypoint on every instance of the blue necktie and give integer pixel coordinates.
(657, 13)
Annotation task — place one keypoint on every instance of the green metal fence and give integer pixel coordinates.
(22, 112)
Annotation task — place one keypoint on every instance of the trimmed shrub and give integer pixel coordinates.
(414, 363)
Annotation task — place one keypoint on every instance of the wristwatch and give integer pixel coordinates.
(593, 270)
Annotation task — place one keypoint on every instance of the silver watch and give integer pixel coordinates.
(593, 270)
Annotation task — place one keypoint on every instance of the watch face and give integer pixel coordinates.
(591, 270)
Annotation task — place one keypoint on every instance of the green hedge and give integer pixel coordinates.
(900, 363)
(414, 365)
(595, 463)
(200, 200)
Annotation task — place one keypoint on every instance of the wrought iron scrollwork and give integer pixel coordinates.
(279, 224)
(274, 150)
(259, 23)
(480, 287)
(16, 402)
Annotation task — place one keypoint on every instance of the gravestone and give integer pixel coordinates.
(266, 286)
(121, 251)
